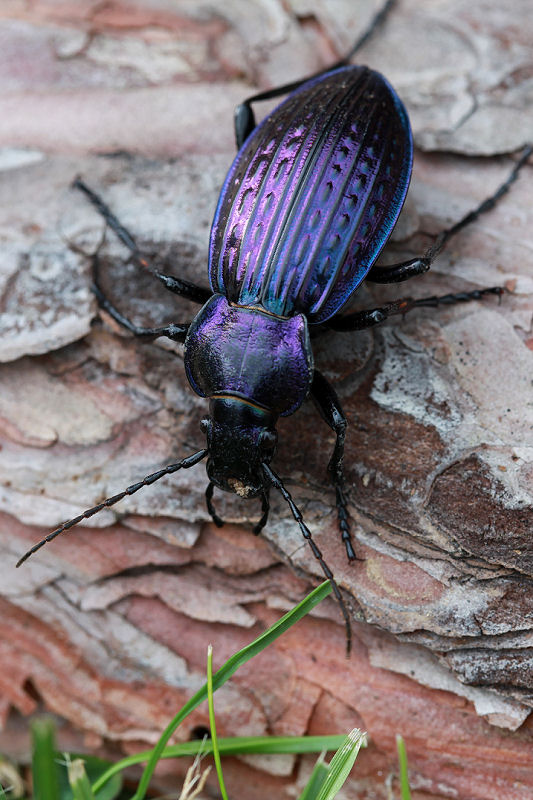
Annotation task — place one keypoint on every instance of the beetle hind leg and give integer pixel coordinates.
(244, 118)
(330, 410)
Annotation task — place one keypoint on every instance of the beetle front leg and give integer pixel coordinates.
(219, 522)
(330, 410)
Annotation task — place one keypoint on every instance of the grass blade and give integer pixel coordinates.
(341, 764)
(44, 768)
(316, 780)
(79, 782)
(212, 724)
(94, 768)
(231, 746)
(404, 777)
(220, 677)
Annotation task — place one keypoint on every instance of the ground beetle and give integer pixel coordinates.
(306, 208)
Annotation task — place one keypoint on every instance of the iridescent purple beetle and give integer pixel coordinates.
(306, 208)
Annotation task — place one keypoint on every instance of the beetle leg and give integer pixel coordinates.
(265, 508)
(175, 332)
(330, 410)
(395, 273)
(244, 118)
(184, 288)
(210, 507)
(374, 316)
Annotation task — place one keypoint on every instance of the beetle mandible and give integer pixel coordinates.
(307, 206)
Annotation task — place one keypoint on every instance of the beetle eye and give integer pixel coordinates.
(267, 440)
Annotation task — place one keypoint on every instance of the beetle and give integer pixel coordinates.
(306, 208)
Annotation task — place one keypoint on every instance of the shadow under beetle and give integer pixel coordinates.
(307, 206)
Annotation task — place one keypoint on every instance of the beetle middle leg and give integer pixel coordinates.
(176, 332)
(183, 288)
(330, 410)
(367, 318)
(395, 273)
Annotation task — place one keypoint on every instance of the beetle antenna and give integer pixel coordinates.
(276, 482)
(185, 463)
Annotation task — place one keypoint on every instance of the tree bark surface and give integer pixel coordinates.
(107, 627)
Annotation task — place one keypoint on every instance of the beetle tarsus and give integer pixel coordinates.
(486, 205)
(173, 331)
(395, 273)
(343, 521)
(368, 318)
(375, 23)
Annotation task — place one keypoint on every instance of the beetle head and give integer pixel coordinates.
(240, 437)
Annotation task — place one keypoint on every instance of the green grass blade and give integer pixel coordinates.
(236, 745)
(94, 768)
(341, 764)
(78, 780)
(316, 780)
(212, 724)
(221, 676)
(43, 766)
(404, 777)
